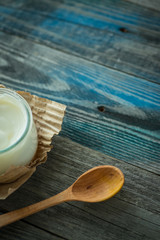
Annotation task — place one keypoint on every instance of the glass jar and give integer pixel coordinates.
(18, 135)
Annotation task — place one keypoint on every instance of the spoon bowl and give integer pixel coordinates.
(98, 184)
(95, 185)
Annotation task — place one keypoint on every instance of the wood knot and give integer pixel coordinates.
(101, 108)
(123, 30)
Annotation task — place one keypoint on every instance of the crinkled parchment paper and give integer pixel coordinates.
(48, 117)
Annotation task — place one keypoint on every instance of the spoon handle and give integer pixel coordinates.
(16, 215)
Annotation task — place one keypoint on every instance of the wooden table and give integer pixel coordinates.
(101, 59)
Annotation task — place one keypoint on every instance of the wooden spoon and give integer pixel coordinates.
(95, 185)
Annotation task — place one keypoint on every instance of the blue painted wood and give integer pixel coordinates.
(92, 33)
(89, 13)
(129, 127)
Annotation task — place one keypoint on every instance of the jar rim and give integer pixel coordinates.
(27, 109)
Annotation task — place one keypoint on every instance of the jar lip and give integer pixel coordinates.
(26, 106)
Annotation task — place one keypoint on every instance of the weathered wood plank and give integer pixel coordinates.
(91, 33)
(131, 214)
(126, 126)
(113, 138)
(88, 12)
(128, 129)
(25, 231)
(155, 4)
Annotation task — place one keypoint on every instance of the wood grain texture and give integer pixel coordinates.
(114, 34)
(128, 128)
(155, 4)
(69, 51)
(131, 214)
(25, 231)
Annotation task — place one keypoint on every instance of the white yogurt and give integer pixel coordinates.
(18, 135)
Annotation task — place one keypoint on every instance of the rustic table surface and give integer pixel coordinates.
(102, 60)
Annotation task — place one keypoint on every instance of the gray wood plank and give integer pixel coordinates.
(25, 231)
(127, 128)
(155, 4)
(132, 214)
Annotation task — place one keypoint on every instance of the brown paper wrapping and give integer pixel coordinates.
(48, 117)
